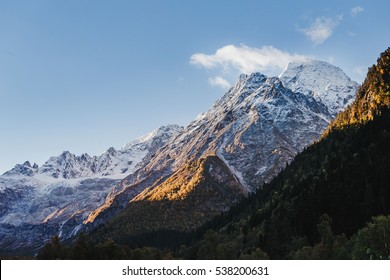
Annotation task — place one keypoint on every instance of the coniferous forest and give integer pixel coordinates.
(331, 202)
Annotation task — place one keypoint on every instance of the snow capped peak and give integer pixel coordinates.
(244, 87)
(323, 81)
(111, 151)
(85, 156)
(250, 81)
(253, 77)
(299, 66)
(23, 169)
(242, 77)
(165, 131)
(65, 155)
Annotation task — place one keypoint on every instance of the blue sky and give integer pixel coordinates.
(86, 75)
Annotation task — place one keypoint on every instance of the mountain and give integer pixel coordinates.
(330, 202)
(113, 163)
(255, 129)
(38, 202)
(249, 135)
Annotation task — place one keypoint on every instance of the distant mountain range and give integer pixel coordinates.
(184, 176)
(54, 199)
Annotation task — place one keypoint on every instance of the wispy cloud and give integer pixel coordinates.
(244, 59)
(321, 29)
(220, 82)
(356, 10)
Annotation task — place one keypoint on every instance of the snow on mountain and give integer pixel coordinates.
(37, 203)
(114, 163)
(23, 169)
(256, 128)
(325, 82)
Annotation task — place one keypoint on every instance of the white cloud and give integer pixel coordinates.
(244, 59)
(356, 10)
(321, 29)
(219, 81)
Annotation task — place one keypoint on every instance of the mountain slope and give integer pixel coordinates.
(190, 197)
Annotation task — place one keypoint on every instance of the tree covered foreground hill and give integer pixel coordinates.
(331, 202)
